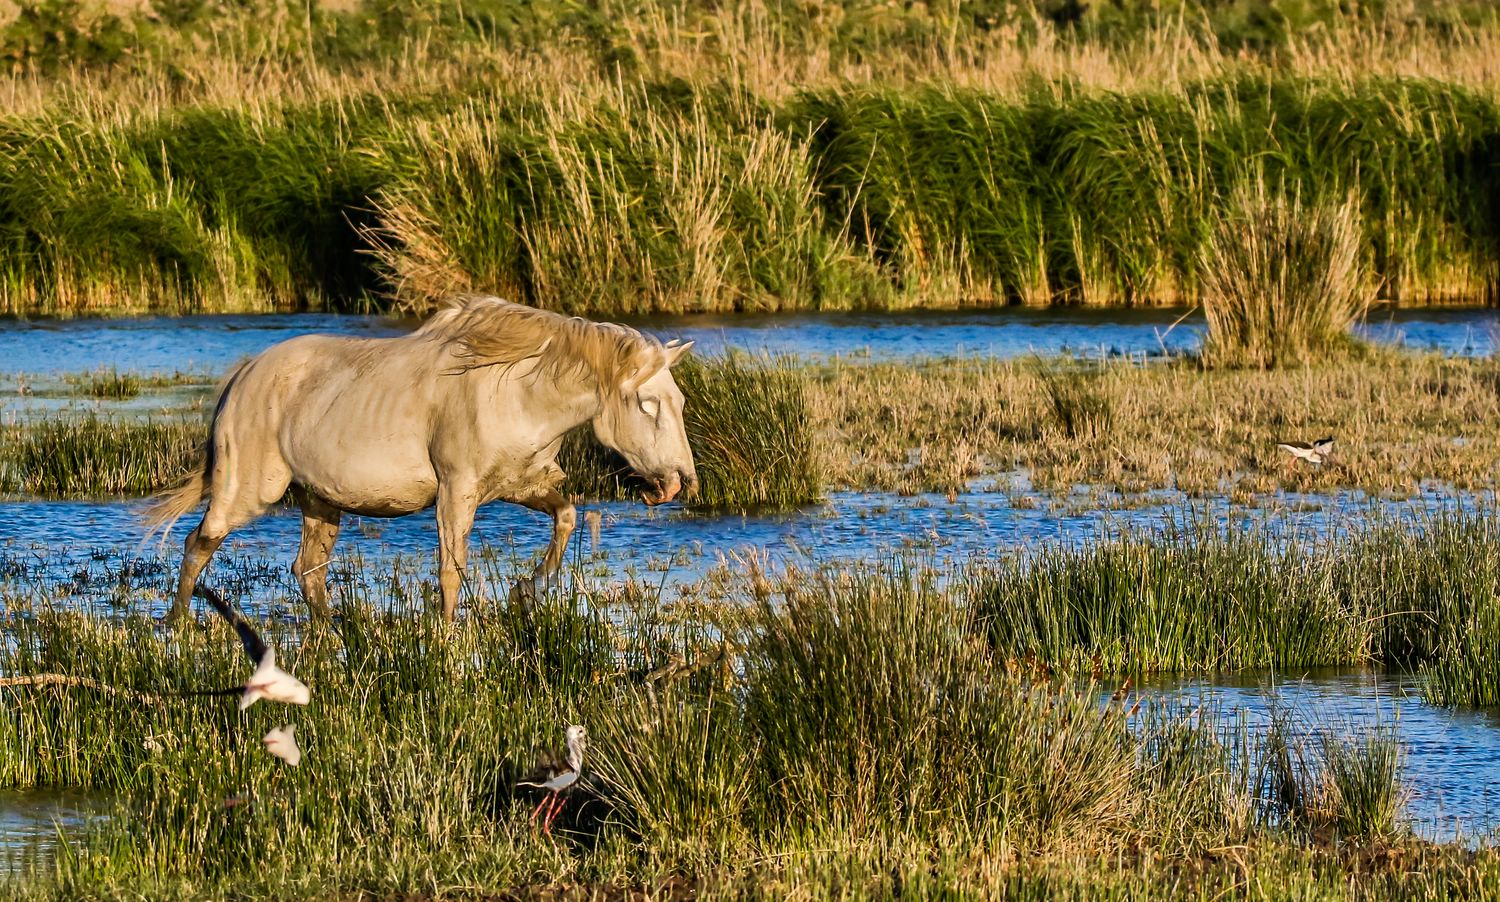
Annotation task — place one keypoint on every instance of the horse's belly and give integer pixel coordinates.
(371, 484)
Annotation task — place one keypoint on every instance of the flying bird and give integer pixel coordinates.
(557, 777)
(273, 684)
(269, 682)
(282, 742)
(1313, 452)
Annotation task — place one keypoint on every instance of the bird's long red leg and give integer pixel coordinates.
(552, 816)
(539, 805)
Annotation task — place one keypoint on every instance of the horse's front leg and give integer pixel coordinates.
(455, 519)
(564, 519)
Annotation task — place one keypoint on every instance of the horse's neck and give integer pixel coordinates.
(559, 406)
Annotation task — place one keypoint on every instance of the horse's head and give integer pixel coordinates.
(643, 421)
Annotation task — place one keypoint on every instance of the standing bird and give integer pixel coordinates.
(1314, 453)
(557, 777)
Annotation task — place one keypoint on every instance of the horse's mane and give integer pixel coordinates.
(488, 331)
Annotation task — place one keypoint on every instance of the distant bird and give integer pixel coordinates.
(282, 743)
(1314, 453)
(269, 682)
(273, 684)
(557, 777)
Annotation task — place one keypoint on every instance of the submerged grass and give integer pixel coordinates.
(864, 739)
(108, 384)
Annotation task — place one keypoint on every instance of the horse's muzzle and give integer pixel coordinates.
(664, 490)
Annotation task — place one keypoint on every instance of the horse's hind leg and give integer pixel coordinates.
(231, 505)
(200, 546)
(564, 519)
(320, 529)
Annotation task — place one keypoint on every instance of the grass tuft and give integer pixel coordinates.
(1283, 279)
(109, 384)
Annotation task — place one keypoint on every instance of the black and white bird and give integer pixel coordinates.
(269, 682)
(1312, 452)
(557, 777)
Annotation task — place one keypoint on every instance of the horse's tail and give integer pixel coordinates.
(169, 506)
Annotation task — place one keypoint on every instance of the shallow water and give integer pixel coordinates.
(84, 543)
(1451, 773)
(208, 344)
(33, 821)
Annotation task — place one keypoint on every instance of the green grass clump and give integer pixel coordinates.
(94, 456)
(748, 425)
(1349, 782)
(1188, 600)
(877, 711)
(109, 384)
(1283, 280)
(1199, 598)
(1364, 784)
(1080, 410)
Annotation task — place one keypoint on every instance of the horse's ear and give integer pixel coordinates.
(676, 352)
(642, 374)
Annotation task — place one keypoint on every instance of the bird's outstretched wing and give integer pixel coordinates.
(255, 647)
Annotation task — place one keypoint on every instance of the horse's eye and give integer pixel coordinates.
(651, 407)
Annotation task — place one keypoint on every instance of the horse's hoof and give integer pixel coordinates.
(523, 593)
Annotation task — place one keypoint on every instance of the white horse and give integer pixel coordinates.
(469, 408)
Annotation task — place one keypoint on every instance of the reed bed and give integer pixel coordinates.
(627, 169)
(848, 731)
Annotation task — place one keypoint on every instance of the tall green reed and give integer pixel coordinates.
(659, 195)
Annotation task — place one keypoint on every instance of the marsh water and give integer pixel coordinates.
(34, 821)
(78, 550)
(210, 343)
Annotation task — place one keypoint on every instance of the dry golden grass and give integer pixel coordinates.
(253, 62)
(1398, 419)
